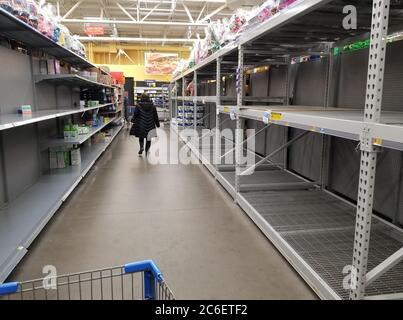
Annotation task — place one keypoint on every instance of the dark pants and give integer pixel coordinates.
(148, 144)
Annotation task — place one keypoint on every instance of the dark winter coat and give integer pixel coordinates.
(145, 119)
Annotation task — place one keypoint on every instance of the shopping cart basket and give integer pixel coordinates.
(133, 281)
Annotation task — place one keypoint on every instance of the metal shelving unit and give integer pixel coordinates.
(317, 231)
(81, 138)
(8, 121)
(31, 192)
(69, 79)
(23, 219)
(13, 28)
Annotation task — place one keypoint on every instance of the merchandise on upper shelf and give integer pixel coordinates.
(223, 32)
(42, 17)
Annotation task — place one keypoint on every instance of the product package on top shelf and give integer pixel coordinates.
(33, 13)
(7, 5)
(20, 10)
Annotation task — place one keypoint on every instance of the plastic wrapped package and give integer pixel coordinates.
(20, 10)
(203, 51)
(213, 36)
(45, 25)
(77, 47)
(238, 20)
(49, 28)
(285, 3)
(190, 89)
(7, 5)
(65, 39)
(42, 21)
(33, 13)
(62, 35)
(82, 49)
(55, 31)
(227, 35)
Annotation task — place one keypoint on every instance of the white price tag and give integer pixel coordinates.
(265, 117)
(232, 114)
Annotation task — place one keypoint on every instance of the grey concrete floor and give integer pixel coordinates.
(128, 210)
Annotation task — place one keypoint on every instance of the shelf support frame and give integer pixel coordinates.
(372, 114)
(238, 129)
(195, 102)
(217, 116)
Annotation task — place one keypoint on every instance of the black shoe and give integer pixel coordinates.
(141, 151)
(147, 152)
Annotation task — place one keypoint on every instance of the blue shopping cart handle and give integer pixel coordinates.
(8, 288)
(146, 265)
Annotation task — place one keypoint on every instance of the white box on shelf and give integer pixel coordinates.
(75, 155)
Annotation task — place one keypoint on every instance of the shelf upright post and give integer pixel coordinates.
(325, 145)
(287, 81)
(366, 184)
(183, 102)
(195, 102)
(175, 92)
(217, 145)
(287, 102)
(238, 130)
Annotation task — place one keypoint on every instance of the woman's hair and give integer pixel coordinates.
(145, 97)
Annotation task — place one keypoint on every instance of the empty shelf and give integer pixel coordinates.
(8, 121)
(69, 79)
(23, 219)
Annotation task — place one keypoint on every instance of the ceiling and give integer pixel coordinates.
(158, 21)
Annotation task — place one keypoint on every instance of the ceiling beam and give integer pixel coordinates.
(125, 11)
(214, 12)
(141, 22)
(201, 12)
(150, 12)
(72, 9)
(131, 39)
(188, 13)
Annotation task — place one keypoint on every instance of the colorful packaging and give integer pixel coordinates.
(33, 13)
(7, 5)
(20, 10)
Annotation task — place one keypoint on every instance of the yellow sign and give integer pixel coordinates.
(226, 109)
(378, 141)
(275, 116)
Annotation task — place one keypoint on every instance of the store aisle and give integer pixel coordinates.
(128, 210)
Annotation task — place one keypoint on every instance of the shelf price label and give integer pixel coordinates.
(265, 117)
(233, 114)
(378, 141)
(276, 116)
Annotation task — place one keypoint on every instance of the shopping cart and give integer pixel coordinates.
(133, 281)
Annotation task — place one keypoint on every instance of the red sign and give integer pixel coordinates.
(94, 30)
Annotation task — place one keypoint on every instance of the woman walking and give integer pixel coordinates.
(145, 120)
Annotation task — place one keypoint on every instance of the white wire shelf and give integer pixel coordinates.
(313, 229)
(23, 219)
(8, 121)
